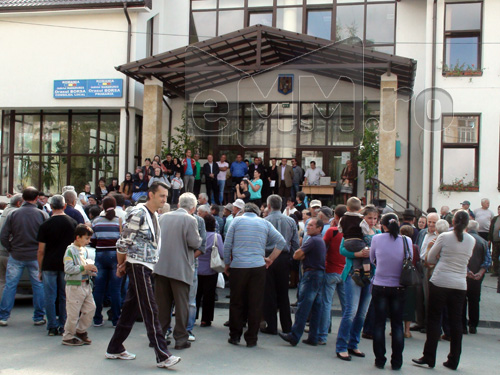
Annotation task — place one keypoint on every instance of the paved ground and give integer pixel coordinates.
(25, 349)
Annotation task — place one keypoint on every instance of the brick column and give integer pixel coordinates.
(152, 120)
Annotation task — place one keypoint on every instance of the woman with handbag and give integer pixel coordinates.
(388, 252)
(447, 289)
(348, 176)
(207, 277)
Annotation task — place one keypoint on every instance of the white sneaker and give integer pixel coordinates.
(124, 355)
(3, 323)
(191, 336)
(169, 333)
(169, 362)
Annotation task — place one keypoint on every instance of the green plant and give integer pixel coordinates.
(368, 153)
(460, 184)
(180, 140)
(461, 69)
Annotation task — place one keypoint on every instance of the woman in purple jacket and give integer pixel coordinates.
(388, 296)
(207, 278)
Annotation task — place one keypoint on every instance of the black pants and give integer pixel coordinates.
(212, 187)
(473, 297)
(139, 300)
(388, 300)
(276, 294)
(205, 297)
(197, 187)
(453, 299)
(284, 192)
(247, 294)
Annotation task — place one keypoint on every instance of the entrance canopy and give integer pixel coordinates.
(257, 49)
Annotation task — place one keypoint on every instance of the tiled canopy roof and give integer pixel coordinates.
(37, 5)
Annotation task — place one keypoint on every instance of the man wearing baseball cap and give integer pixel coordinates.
(466, 207)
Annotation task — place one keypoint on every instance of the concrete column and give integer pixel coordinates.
(387, 134)
(152, 120)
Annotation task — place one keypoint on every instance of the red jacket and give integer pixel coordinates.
(193, 165)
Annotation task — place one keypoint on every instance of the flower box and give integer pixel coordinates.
(458, 188)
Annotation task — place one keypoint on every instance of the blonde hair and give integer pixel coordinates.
(354, 204)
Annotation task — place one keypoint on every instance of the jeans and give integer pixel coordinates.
(388, 301)
(310, 302)
(192, 299)
(54, 288)
(15, 270)
(357, 300)
(333, 281)
(107, 281)
(221, 184)
(295, 190)
(188, 184)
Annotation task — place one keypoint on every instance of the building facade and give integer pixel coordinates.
(269, 78)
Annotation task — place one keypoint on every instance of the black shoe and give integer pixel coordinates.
(366, 280)
(422, 361)
(187, 345)
(205, 324)
(449, 365)
(416, 328)
(423, 330)
(233, 341)
(251, 344)
(356, 277)
(53, 332)
(308, 342)
(268, 331)
(472, 330)
(288, 338)
(379, 366)
(348, 358)
(226, 324)
(356, 354)
(446, 337)
(367, 336)
(396, 368)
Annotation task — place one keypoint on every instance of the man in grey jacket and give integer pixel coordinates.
(19, 237)
(15, 202)
(175, 267)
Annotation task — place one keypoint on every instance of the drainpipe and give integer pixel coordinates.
(127, 86)
(408, 163)
(433, 97)
(169, 122)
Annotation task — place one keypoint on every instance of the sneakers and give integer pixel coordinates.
(40, 322)
(98, 324)
(123, 355)
(3, 323)
(191, 336)
(169, 333)
(169, 362)
(72, 342)
(84, 337)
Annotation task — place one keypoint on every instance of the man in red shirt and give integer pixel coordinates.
(335, 263)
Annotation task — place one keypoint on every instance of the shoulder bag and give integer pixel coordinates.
(409, 274)
(216, 263)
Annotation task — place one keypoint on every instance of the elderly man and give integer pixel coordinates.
(313, 175)
(70, 198)
(54, 236)
(174, 270)
(15, 202)
(447, 215)
(466, 207)
(277, 275)
(203, 200)
(425, 236)
(246, 263)
(483, 217)
(18, 236)
(479, 262)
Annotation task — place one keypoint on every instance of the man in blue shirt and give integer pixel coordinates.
(189, 168)
(313, 257)
(238, 170)
(70, 210)
(246, 262)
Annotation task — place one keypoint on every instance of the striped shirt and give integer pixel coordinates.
(247, 239)
(106, 233)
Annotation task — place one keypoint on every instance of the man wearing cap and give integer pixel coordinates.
(325, 214)
(409, 219)
(236, 210)
(246, 263)
(314, 208)
(466, 207)
(277, 275)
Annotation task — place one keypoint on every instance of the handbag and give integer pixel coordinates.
(221, 283)
(409, 274)
(216, 263)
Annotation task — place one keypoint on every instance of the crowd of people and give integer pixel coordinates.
(150, 261)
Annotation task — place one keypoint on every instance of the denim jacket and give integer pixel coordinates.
(138, 239)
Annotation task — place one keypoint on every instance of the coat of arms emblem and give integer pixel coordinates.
(285, 83)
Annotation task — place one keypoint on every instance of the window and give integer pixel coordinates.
(460, 151)
(462, 38)
(150, 27)
(319, 23)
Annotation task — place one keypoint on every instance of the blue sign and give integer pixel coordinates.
(88, 88)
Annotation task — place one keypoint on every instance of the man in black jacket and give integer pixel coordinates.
(211, 170)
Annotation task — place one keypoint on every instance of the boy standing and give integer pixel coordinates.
(177, 185)
(80, 306)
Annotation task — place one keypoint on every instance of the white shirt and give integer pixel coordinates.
(427, 239)
(79, 208)
(291, 212)
(313, 176)
(222, 175)
(483, 217)
(283, 167)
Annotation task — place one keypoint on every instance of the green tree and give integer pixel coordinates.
(368, 154)
(180, 140)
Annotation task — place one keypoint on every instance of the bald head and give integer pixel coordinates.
(432, 219)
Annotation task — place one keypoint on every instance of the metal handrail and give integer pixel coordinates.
(377, 181)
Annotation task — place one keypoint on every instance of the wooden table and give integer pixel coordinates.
(319, 189)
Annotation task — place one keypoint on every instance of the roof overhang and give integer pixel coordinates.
(12, 6)
(258, 49)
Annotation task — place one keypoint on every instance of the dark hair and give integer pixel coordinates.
(313, 162)
(391, 221)
(148, 159)
(215, 208)
(120, 199)
(297, 215)
(320, 224)
(30, 194)
(155, 186)
(301, 196)
(431, 210)
(406, 230)
(83, 230)
(109, 205)
(209, 223)
(94, 210)
(460, 223)
(245, 182)
(102, 179)
(340, 210)
(370, 209)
